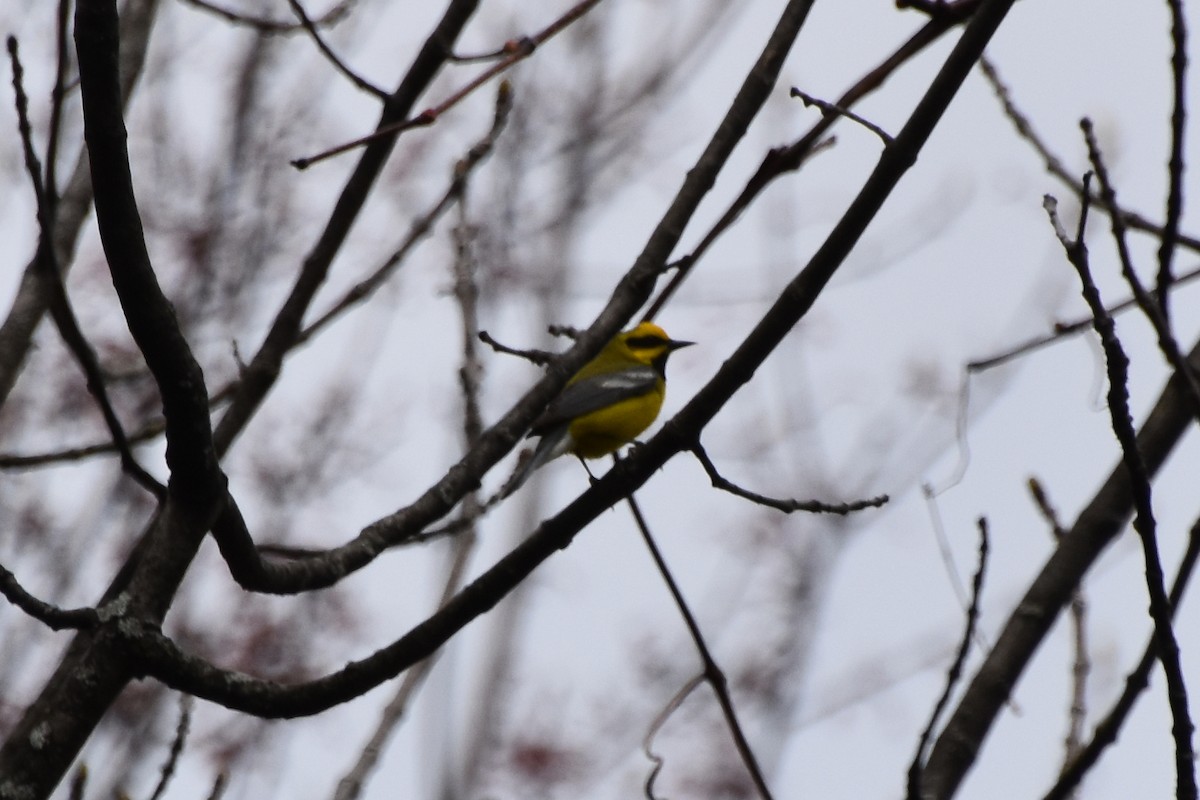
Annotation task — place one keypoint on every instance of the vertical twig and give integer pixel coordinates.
(1081, 667)
(712, 672)
(466, 291)
(181, 732)
(1147, 303)
(955, 672)
(1117, 364)
(1138, 680)
(1170, 235)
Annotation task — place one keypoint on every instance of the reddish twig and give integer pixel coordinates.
(522, 49)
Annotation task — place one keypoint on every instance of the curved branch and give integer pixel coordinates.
(155, 655)
(630, 293)
(196, 479)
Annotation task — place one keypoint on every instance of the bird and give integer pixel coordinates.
(607, 403)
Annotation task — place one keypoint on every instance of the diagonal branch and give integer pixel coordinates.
(60, 305)
(156, 656)
(783, 160)
(788, 505)
(712, 672)
(630, 293)
(1117, 364)
(954, 674)
(522, 49)
(1136, 682)
(314, 33)
(71, 209)
(260, 374)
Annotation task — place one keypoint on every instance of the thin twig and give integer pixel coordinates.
(538, 357)
(1136, 682)
(712, 672)
(1147, 304)
(466, 291)
(1065, 329)
(307, 23)
(56, 103)
(506, 49)
(423, 225)
(22, 104)
(525, 48)
(148, 431)
(1117, 364)
(181, 733)
(218, 787)
(79, 783)
(834, 109)
(1054, 165)
(1166, 250)
(785, 505)
(270, 26)
(1081, 667)
(60, 304)
(784, 160)
(955, 672)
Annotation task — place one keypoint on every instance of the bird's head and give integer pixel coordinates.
(648, 344)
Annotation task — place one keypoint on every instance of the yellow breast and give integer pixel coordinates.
(608, 429)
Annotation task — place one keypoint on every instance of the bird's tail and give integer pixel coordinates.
(553, 444)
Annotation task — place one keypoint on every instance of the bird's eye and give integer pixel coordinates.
(645, 343)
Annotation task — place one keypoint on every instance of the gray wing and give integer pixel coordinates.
(594, 393)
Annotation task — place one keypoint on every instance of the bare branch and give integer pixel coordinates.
(954, 674)
(466, 291)
(196, 478)
(1174, 211)
(423, 225)
(60, 306)
(1055, 166)
(538, 357)
(1143, 522)
(1137, 682)
(783, 160)
(1065, 329)
(1082, 665)
(831, 109)
(307, 23)
(1147, 304)
(1101, 520)
(787, 506)
(181, 733)
(263, 370)
(269, 26)
(51, 616)
(523, 49)
(713, 674)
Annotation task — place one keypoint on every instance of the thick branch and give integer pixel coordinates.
(630, 293)
(196, 479)
(158, 657)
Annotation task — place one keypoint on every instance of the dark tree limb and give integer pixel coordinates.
(631, 293)
(158, 657)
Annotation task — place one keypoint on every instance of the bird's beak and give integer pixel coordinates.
(675, 344)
